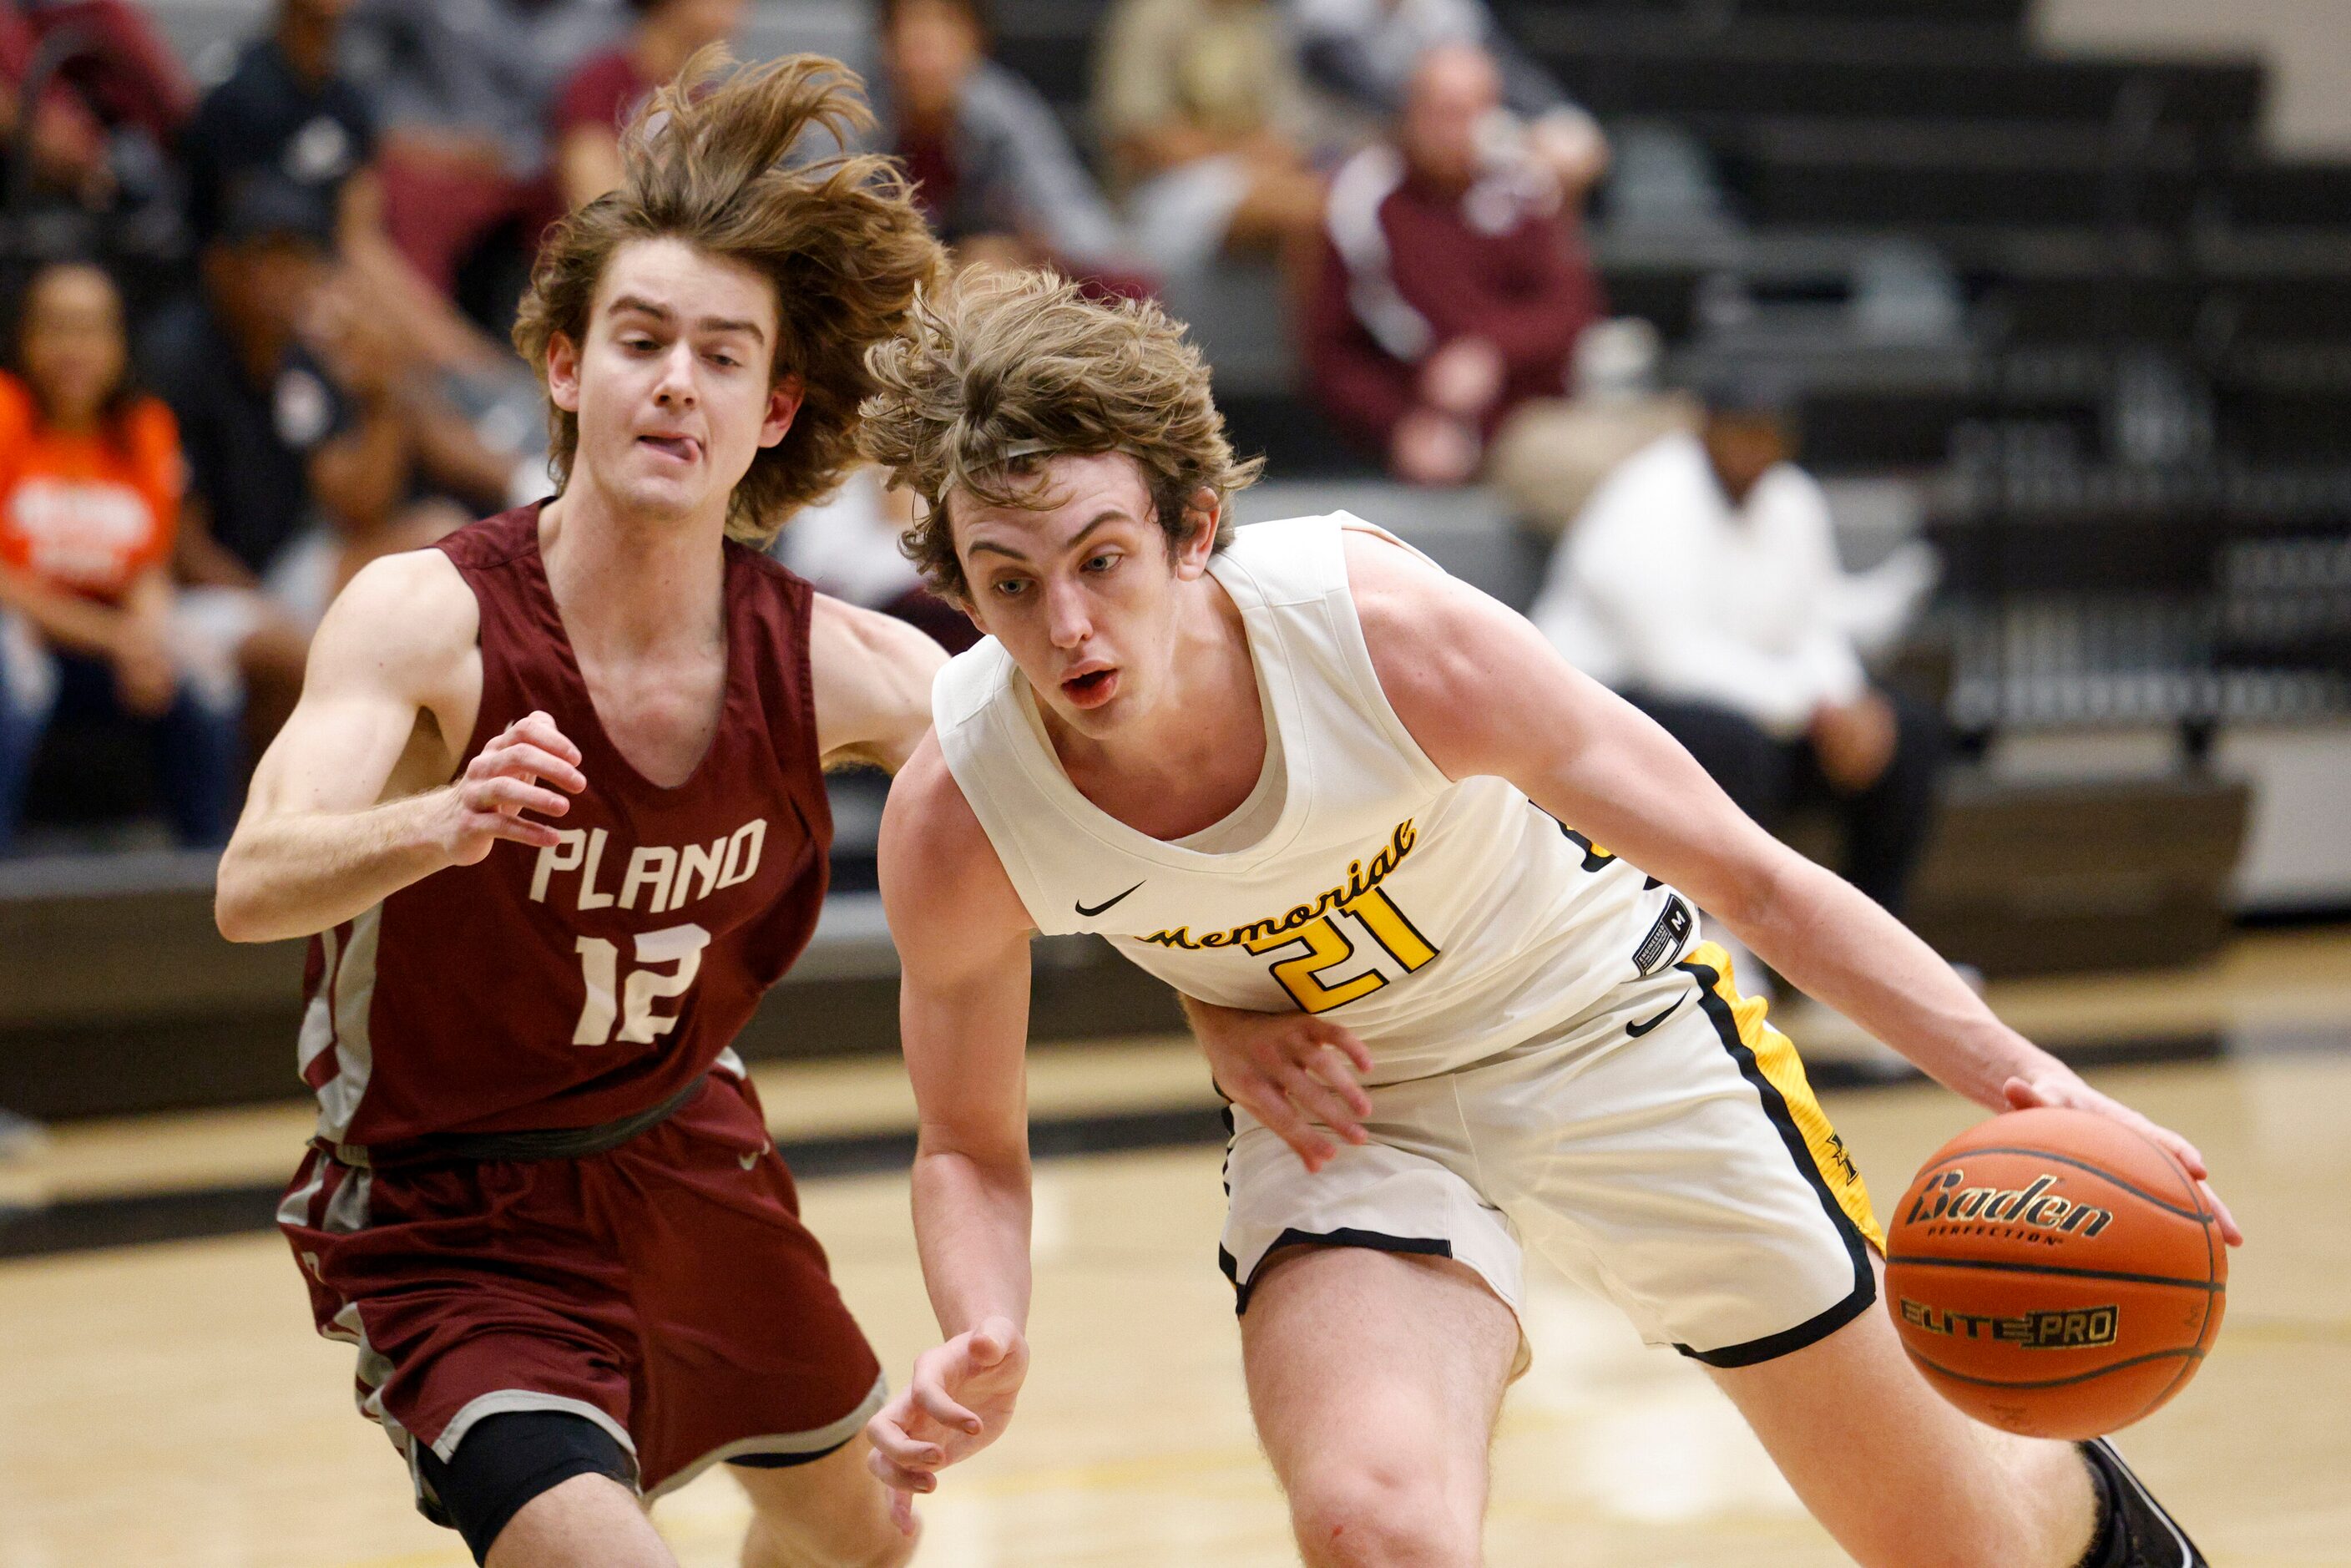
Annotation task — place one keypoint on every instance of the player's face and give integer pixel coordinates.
(1083, 594)
(672, 386)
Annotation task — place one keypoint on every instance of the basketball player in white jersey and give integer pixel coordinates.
(1307, 779)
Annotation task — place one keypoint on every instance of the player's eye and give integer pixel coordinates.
(639, 345)
(728, 360)
(1008, 587)
(1102, 562)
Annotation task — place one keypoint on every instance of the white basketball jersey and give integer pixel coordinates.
(1442, 922)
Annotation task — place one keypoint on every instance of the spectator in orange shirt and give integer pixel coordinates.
(89, 496)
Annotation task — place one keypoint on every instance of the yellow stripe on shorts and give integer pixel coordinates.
(1775, 1057)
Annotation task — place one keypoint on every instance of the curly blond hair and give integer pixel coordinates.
(1009, 368)
(705, 161)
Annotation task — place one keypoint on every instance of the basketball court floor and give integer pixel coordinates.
(167, 1403)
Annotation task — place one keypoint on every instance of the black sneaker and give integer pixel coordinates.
(2143, 1536)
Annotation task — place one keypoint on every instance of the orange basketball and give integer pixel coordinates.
(2054, 1273)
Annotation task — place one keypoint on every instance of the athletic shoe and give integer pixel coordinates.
(2144, 1536)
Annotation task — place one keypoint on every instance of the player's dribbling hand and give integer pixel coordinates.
(1290, 1070)
(2064, 1089)
(506, 780)
(957, 1403)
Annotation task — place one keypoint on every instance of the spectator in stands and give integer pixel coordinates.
(1362, 53)
(115, 75)
(1207, 121)
(287, 109)
(1702, 581)
(463, 92)
(993, 169)
(90, 491)
(1452, 288)
(847, 545)
(312, 444)
(608, 87)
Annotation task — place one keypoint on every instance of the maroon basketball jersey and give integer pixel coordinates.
(591, 981)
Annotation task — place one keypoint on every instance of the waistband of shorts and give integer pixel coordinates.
(524, 1144)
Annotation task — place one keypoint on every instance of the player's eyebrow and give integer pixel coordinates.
(1111, 514)
(633, 305)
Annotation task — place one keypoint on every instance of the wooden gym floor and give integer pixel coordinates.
(167, 1403)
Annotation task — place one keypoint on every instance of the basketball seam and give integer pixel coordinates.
(2198, 1213)
(2209, 1287)
(2190, 1355)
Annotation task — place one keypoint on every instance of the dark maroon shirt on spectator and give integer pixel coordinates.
(604, 91)
(1524, 285)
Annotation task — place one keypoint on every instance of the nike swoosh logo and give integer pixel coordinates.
(1085, 913)
(1637, 1030)
(749, 1160)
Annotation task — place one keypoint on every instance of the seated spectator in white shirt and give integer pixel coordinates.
(1701, 581)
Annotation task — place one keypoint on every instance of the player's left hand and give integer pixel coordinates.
(957, 1403)
(2062, 1087)
(1291, 1071)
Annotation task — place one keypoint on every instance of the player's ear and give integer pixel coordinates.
(1202, 514)
(563, 372)
(784, 399)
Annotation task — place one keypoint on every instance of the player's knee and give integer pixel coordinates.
(1367, 1514)
(826, 1515)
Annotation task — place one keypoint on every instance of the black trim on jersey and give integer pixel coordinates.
(1772, 1346)
(1346, 1235)
(1775, 1106)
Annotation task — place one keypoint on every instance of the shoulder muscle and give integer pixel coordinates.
(1449, 658)
(951, 905)
(405, 625)
(873, 676)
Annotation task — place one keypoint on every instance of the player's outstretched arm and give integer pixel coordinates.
(354, 800)
(963, 1012)
(1483, 693)
(872, 675)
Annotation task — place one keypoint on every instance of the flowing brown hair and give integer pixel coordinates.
(704, 162)
(1008, 368)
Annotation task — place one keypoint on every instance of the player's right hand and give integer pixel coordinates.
(506, 779)
(1292, 1071)
(957, 1403)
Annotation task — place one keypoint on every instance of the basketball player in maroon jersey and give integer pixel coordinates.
(553, 811)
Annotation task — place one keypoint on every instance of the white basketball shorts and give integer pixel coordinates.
(1663, 1147)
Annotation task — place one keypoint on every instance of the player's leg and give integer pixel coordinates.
(1374, 1377)
(1898, 1475)
(1698, 1173)
(543, 1488)
(588, 1522)
(751, 1353)
(828, 1512)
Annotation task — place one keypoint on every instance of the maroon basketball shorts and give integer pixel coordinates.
(664, 1290)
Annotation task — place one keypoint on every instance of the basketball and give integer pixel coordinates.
(2054, 1273)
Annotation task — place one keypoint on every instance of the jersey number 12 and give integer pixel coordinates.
(599, 966)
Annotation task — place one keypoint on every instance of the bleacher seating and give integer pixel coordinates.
(2065, 308)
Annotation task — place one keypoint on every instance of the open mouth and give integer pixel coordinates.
(1091, 689)
(682, 448)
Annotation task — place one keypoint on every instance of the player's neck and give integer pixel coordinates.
(625, 581)
(1195, 756)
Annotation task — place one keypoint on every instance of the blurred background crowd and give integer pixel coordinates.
(1931, 413)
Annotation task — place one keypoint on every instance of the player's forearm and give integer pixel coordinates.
(971, 1226)
(1843, 949)
(295, 874)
